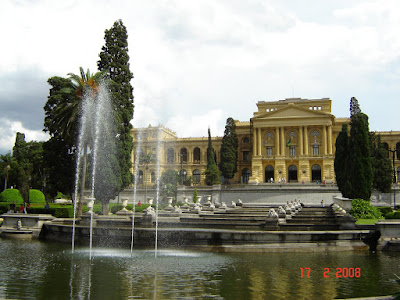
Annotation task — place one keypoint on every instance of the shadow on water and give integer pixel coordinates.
(37, 270)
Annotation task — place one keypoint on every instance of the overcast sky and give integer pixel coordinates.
(196, 63)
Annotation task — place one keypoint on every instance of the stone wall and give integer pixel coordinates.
(262, 193)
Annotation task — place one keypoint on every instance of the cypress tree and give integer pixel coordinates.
(212, 172)
(381, 166)
(341, 154)
(229, 152)
(359, 159)
(24, 169)
(114, 63)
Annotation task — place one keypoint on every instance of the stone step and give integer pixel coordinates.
(308, 227)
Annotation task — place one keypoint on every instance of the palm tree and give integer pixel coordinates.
(6, 160)
(67, 113)
(86, 82)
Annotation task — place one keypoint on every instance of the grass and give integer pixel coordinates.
(367, 221)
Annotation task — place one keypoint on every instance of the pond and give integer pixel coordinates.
(47, 270)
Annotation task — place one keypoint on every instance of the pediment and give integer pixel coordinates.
(292, 112)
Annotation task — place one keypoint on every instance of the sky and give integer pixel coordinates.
(196, 63)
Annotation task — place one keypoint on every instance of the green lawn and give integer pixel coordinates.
(367, 221)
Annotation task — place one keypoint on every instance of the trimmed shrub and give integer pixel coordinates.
(58, 212)
(115, 208)
(4, 207)
(385, 210)
(36, 196)
(10, 195)
(362, 209)
(61, 196)
(393, 215)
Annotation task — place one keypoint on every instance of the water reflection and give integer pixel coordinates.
(36, 270)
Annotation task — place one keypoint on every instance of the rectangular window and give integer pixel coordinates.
(269, 151)
(292, 150)
(316, 150)
(246, 155)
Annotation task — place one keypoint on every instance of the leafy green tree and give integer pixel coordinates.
(229, 150)
(341, 154)
(114, 63)
(169, 183)
(359, 158)
(61, 122)
(20, 153)
(212, 172)
(59, 160)
(62, 110)
(381, 166)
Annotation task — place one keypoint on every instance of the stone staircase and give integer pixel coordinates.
(312, 218)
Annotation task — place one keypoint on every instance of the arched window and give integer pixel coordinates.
(398, 174)
(245, 175)
(196, 176)
(170, 156)
(153, 177)
(386, 147)
(196, 155)
(184, 155)
(398, 150)
(291, 143)
(140, 177)
(245, 140)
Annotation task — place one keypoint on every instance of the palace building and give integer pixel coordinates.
(287, 141)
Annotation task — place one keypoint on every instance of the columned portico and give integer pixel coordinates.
(294, 137)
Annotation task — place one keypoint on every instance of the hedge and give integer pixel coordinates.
(385, 210)
(393, 215)
(10, 195)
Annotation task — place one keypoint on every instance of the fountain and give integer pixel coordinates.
(96, 132)
(136, 176)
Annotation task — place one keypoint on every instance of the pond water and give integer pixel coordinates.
(47, 270)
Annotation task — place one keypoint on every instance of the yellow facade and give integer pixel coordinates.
(291, 140)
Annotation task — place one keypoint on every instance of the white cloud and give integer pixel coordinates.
(196, 59)
(197, 125)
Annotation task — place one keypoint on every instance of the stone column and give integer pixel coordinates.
(254, 142)
(282, 141)
(277, 141)
(301, 140)
(305, 140)
(330, 148)
(259, 141)
(324, 144)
